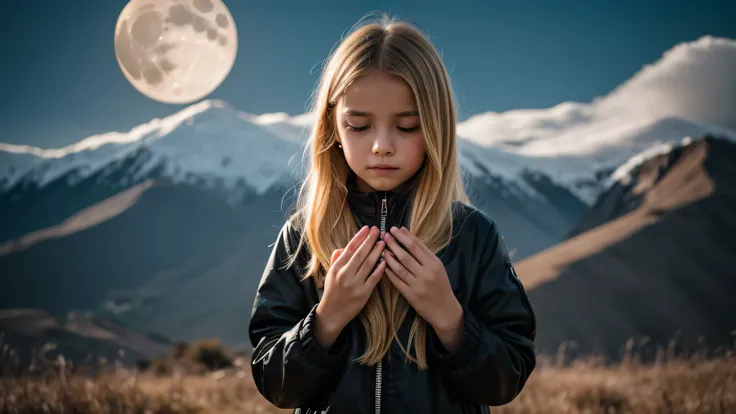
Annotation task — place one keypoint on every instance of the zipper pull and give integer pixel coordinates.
(384, 213)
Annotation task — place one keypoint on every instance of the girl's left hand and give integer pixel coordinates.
(421, 277)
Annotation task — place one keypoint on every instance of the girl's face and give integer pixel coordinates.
(378, 126)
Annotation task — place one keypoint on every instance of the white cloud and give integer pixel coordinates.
(696, 81)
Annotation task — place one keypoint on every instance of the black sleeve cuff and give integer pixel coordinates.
(466, 349)
(315, 352)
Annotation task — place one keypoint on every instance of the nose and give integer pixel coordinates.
(383, 144)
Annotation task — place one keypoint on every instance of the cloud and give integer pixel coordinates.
(695, 80)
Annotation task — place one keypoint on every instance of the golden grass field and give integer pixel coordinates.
(677, 385)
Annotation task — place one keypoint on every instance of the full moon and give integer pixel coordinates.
(175, 51)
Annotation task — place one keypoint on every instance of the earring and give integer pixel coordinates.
(339, 145)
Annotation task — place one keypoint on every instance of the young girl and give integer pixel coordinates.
(386, 291)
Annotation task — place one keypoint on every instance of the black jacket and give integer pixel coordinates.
(489, 367)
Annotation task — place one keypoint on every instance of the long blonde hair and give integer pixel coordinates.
(322, 212)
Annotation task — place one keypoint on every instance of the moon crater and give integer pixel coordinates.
(175, 53)
(205, 6)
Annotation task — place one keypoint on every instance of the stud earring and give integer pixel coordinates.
(339, 145)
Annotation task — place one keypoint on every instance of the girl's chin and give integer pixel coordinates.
(383, 184)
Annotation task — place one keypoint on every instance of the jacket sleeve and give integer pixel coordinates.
(496, 352)
(289, 367)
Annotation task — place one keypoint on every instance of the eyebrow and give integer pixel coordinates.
(405, 114)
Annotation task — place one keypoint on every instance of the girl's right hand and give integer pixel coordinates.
(349, 283)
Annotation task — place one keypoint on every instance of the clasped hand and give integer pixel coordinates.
(421, 277)
(416, 272)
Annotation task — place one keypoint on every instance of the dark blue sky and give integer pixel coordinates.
(60, 80)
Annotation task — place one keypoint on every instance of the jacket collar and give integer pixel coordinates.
(366, 206)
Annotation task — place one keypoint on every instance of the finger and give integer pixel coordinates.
(398, 269)
(400, 284)
(423, 247)
(406, 259)
(352, 247)
(414, 246)
(376, 276)
(361, 254)
(335, 254)
(370, 261)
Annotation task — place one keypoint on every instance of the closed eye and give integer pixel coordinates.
(357, 129)
(363, 128)
(408, 130)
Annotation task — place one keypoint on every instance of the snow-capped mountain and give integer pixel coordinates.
(689, 92)
(580, 166)
(136, 219)
(208, 143)
(630, 184)
(215, 143)
(209, 140)
(240, 156)
(536, 170)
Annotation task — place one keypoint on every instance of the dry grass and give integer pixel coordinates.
(675, 386)
(693, 385)
(133, 393)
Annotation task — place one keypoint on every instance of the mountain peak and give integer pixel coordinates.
(623, 173)
(209, 138)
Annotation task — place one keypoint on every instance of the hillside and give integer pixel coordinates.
(169, 260)
(35, 335)
(662, 269)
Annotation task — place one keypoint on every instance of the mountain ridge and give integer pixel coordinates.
(657, 270)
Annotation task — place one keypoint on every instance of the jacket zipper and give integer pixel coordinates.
(379, 367)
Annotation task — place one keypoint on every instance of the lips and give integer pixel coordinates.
(383, 167)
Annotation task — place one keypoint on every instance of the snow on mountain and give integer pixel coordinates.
(581, 153)
(15, 161)
(623, 173)
(209, 139)
(689, 92)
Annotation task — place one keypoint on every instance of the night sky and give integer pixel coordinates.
(60, 80)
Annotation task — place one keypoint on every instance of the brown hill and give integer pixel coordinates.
(665, 270)
(36, 335)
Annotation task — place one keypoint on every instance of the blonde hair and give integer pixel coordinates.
(322, 212)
